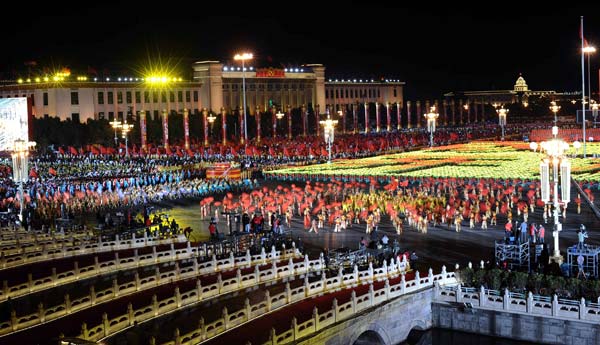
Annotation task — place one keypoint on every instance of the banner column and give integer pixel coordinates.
(366, 117)
(289, 116)
(143, 129)
(408, 117)
(224, 125)
(186, 128)
(242, 141)
(257, 116)
(205, 121)
(165, 123)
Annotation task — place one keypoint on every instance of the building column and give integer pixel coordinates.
(389, 117)
(445, 106)
(418, 114)
(468, 109)
(408, 117)
(289, 116)
(304, 119)
(186, 128)
(354, 110)
(317, 119)
(460, 110)
(224, 125)
(476, 106)
(482, 110)
(165, 123)
(453, 108)
(257, 117)
(344, 110)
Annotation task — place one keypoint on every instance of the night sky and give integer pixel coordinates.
(432, 51)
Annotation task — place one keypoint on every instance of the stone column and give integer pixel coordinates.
(317, 119)
(445, 105)
(475, 105)
(408, 117)
(468, 109)
(419, 114)
(482, 110)
(453, 108)
(460, 110)
(389, 117)
(354, 118)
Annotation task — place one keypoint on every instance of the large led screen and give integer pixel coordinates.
(13, 121)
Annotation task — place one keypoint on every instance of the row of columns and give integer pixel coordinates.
(451, 113)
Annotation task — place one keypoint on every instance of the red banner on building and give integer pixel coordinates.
(270, 73)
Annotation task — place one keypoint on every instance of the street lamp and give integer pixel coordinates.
(116, 124)
(589, 50)
(20, 169)
(431, 117)
(555, 108)
(555, 149)
(329, 130)
(243, 57)
(502, 119)
(125, 129)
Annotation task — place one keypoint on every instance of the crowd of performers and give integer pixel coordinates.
(450, 203)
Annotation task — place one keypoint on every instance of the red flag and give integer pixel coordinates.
(51, 171)
(72, 150)
(61, 151)
(33, 173)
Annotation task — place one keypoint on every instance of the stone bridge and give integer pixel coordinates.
(385, 324)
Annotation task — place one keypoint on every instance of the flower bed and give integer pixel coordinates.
(475, 159)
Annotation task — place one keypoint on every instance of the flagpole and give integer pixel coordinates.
(583, 88)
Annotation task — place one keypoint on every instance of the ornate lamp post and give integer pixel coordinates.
(125, 129)
(329, 130)
(279, 116)
(243, 57)
(341, 114)
(115, 124)
(431, 117)
(561, 171)
(555, 108)
(211, 119)
(502, 118)
(20, 155)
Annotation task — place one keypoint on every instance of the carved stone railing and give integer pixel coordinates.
(84, 249)
(357, 304)
(229, 319)
(117, 290)
(529, 303)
